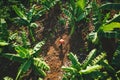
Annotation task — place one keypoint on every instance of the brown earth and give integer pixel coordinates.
(56, 58)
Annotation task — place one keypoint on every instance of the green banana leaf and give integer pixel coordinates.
(13, 57)
(23, 68)
(19, 12)
(22, 52)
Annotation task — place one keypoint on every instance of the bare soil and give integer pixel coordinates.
(56, 58)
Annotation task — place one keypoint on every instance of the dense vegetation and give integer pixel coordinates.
(21, 20)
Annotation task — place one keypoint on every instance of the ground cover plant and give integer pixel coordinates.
(59, 40)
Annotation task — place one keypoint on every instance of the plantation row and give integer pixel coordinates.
(19, 42)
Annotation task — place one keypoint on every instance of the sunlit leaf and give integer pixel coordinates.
(22, 52)
(81, 4)
(37, 47)
(19, 12)
(110, 27)
(3, 43)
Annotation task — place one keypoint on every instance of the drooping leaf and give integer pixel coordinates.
(23, 68)
(19, 12)
(109, 6)
(31, 13)
(39, 71)
(12, 57)
(41, 64)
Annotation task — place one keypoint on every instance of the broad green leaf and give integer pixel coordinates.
(22, 52)
(41, 64)
(110, 27)
(81, 16)
(39, 71)
(89, 58)
(90, 69)
(69, 69)
(81, 4)
(3, 43)
(19, 12)
(109, 6)
(37, 47)
(107, 66)
(74, 60)
(23, 68)
(8, 78)
(72, 2)
(12, 57)
(101, 57)
(31, 13)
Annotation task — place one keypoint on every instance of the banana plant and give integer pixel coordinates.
(76, 11)
(89, 69)
(99, 20)
(28, 18)
(29, 60)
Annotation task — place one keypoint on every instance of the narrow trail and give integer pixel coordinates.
(55, 59)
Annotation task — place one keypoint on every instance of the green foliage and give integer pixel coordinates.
(47, 4)
(90, 66)
(109, 30)
(116, 18)
(3, 43)
(81, 4)
(8, 78)
(97, 15)
(28, 59)
(76, 11)
(28, 18)
(23, 68)
(109, 6)
(110, 27)
(89, 58)
(92, 37)
(104, 27)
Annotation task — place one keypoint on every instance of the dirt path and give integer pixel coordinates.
(56, 59)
